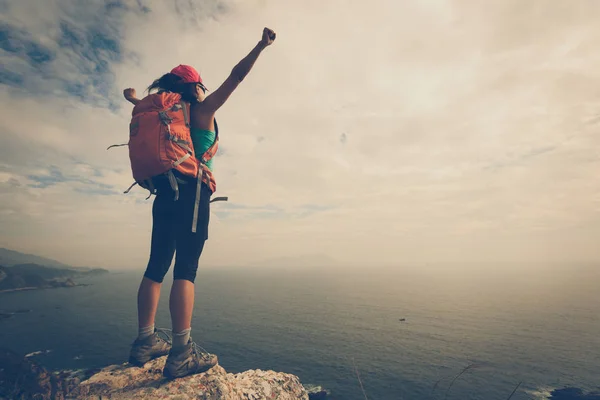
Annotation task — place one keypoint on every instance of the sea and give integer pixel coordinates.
(359, 333)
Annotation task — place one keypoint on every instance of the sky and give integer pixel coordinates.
(370, 133)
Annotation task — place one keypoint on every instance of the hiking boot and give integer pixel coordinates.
(188, 360)
(149, 348)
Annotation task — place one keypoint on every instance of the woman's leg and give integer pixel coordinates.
(189, 249)
(184, 359)
(147, 302)
(162, 249)
(148, 345)
(181, 301)
(181, 304)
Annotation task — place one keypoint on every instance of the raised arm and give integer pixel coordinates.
(216, 99)
(130, 96)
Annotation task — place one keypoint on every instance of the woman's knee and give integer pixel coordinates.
(153, 276)
(155, 272)
(187, 272)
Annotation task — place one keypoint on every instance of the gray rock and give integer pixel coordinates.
(128, 382)
(22, 378)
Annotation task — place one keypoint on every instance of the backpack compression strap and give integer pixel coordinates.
(206, 157)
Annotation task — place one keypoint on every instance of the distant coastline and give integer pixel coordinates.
(21, 289)
(34, 277)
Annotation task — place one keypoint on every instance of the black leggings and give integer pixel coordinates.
(172, 231)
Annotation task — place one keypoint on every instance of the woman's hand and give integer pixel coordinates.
(268, 37)
(130, 96)
(129, 93)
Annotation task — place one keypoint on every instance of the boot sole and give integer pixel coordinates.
(137, 362)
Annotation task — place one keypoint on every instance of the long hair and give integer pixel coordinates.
(173, 83)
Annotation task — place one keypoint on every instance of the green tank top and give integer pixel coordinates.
(202, 139)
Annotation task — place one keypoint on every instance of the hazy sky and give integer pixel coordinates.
(381, 132)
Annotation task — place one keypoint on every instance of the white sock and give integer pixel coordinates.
(145, 332)
(180, 339)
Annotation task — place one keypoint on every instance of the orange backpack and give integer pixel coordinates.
(160, 142)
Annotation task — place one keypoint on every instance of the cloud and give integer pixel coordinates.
(385, 132)
(62, 48)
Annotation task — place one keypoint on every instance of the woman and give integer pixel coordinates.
(171, 221)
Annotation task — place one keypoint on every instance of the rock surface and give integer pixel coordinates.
(126, 382)
(22, 379)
